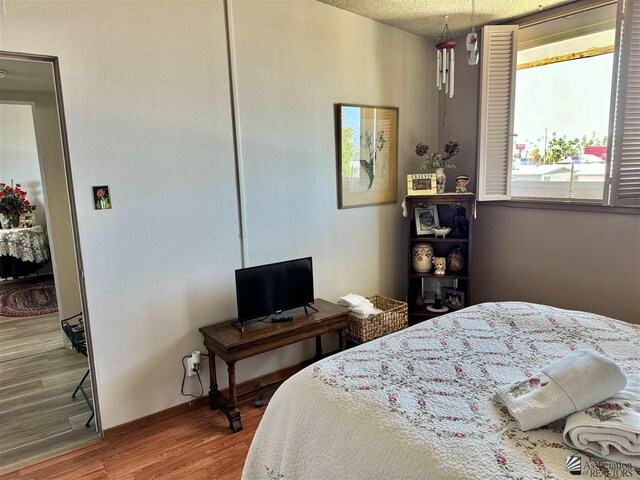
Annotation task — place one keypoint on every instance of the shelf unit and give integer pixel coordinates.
(447, 205)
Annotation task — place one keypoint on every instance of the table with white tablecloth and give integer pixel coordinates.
(22, 251)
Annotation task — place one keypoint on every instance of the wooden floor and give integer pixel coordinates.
(195, 445)
(26, 336)
(38, 417)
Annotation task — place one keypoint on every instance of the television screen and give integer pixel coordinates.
(267, 289)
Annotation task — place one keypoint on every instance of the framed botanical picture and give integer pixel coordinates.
(454, 299)
(426, 219)
(367, 155)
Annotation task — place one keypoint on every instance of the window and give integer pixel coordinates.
(561, 118)
(545, 119)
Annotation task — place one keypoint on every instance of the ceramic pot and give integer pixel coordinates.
(455, 260)
(421, 255)
(441, 180)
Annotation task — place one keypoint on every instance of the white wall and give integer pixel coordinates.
(147, 106)
(294, 61)
(19, 154)
(146, 95)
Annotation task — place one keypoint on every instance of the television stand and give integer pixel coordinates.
(308, 305)
(239, 324)
(224, 340)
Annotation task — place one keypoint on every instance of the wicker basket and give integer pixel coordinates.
(393, 318)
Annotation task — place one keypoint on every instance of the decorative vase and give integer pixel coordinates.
(461, 183)
(421, 255)
(8, 222)
(455, 260)
(441, 180)
(441, 264)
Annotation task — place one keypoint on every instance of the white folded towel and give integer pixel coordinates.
(353, 300)
(610, 429)
(365, 311)
(575, 382)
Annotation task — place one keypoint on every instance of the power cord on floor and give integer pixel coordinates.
(184, 378)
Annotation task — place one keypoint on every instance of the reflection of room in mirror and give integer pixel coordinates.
(39, 275)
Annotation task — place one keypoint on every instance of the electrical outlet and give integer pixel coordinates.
(190, 371)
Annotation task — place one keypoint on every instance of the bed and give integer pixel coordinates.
(418, 403)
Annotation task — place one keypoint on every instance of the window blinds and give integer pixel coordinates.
(497, 96)
(625, 145)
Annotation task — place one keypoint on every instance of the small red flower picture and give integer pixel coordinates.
(101, 198)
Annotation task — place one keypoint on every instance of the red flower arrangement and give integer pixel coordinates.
(13, 201)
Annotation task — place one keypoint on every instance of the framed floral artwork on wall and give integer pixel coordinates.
(367, 155)
(101, 198)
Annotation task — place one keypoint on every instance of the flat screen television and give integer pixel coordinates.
(274, 288)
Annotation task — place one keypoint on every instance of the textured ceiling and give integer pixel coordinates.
(426, 17)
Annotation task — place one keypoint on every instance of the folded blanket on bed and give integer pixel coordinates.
(610, 429)
(575, 382)
(353, 300)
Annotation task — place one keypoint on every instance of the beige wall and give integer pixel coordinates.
(576, 260)
(147, 102)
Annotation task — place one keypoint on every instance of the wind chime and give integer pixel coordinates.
(446, 58)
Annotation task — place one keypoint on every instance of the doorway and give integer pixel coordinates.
(48, 402)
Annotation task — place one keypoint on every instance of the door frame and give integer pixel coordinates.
(53, 60)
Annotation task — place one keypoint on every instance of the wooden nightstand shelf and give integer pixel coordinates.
(447, 205)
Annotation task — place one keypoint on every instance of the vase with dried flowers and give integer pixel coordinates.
(13, 203)
(438, 161)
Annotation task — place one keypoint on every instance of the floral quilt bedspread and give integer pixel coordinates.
(419, 403)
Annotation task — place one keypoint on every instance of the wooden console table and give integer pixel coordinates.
(230, 344)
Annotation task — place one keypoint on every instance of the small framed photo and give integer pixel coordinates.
(101, 198)
(426, 219)
(454, 299)
(421, 184)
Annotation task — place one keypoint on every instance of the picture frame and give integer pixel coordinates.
(421, 184)
(454, 299)
(366, 155)
(101, 197)
(426, 218)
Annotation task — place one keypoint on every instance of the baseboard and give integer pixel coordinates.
(246, 390)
